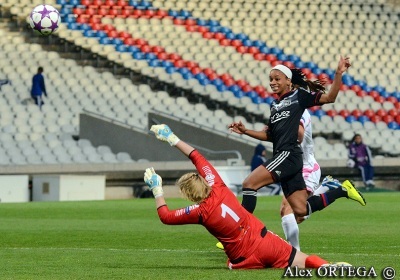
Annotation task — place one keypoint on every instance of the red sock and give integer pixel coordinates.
(314, 261)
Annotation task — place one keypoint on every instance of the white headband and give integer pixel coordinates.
(285, 70)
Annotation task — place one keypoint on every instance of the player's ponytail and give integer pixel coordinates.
(299, 79)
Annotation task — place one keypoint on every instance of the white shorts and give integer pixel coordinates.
(312, 176)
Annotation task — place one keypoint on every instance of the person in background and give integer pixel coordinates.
(38, 88)
(360, 157)
(246, 241)
(259, 156)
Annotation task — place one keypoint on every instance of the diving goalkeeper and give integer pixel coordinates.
(247, 242)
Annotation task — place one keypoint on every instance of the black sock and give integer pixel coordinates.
(319, 202)
(249, 199)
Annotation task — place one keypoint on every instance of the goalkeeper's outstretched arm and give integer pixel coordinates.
(164, 133)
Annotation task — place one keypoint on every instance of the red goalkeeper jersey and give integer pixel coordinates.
(220, 213)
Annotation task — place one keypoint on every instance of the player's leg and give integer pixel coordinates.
(319, 202)
(257, 179)
(289, 224)
(302, 260)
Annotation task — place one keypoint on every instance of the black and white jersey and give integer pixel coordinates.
(286, 112)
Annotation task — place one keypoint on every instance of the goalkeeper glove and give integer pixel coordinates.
(164, 133)
(154, 181)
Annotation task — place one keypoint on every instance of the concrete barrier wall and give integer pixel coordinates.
(14, 188)
(68, 187)
(141, 145)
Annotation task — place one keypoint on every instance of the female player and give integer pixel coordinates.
(286, 164)
(311, 174)
(247, 242)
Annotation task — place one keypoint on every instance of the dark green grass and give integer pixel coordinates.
(126, 240)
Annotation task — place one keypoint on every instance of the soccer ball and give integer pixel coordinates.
(44, 19)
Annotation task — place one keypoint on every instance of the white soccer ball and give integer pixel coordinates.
(44, 19)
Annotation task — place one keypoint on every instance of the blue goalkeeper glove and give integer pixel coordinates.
(164, 133)
(154, 181)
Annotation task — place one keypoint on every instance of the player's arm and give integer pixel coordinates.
(188, 215)
(239, 128)
(330, 97)
(164, 133)
(301, 133)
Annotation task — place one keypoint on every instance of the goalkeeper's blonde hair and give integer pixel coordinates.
(193, 187)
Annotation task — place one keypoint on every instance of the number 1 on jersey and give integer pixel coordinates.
(226, 209)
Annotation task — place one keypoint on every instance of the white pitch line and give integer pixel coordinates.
(107, 249)
(174, 251)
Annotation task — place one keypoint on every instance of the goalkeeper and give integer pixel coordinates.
(247, 242)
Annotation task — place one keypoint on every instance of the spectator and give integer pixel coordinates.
(38, 88)
(259, 156)
(360, 157)
(258, 159)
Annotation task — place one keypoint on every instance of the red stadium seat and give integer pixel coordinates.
(180, 63)
(375, 119)
(162, 56)
(225, 42)
(229, 82)
(208, 35)
(86, 2)
(108, 27)
(392, 99)
(145, 48)
(275, 62)
(123, 35)
(259, 56)
(150, 13)
(369, 113)
(137, 13)
(253, 50)
(97, 2)
(95, 19)
(393, 112)
(174, 56)
(78, 11)
(110, 2)
(356, 113)
(381, 113)
(236, 43)
(387, 118)
(129, 41)
(161, 13)
(331, 113)
(91, 10)
(112, 33)
(194, 70)
(288, 64)
(362, 93)
(104, 10)
(355, 88)
(83, 19)
(97, 26)
(380, 99)
(191, 64)
(374, 94)
(343, 87)
(271, 57)
(202, 29)
(344, 113)
(126, 13)
(122, 3)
